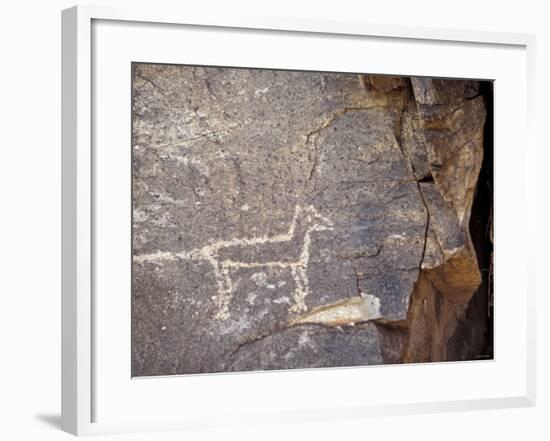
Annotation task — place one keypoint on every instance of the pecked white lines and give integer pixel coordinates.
(305, 221)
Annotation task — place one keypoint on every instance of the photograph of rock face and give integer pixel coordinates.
(291, 219)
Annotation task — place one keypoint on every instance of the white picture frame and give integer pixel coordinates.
(86, 376)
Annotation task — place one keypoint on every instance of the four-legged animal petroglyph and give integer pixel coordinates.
(258, 252)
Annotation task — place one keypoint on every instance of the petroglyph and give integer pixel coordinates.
(305, 221)
(234, 268)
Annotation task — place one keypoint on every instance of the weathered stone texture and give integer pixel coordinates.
(296, 219)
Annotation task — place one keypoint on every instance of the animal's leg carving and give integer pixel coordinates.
(302, 288)
(225, 290)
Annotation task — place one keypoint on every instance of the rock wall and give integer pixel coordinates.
(297, 219)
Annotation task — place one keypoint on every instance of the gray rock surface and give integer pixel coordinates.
(277, 216)
(310, 346)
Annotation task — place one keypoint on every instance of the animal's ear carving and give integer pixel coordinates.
(320, 222)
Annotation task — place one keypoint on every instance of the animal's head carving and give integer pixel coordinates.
(315, 220)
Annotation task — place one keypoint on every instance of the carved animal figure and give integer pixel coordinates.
(289, 250)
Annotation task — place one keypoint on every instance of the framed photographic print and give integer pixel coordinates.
(256, 208)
